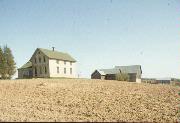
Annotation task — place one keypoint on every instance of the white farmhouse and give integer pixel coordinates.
(48, 63)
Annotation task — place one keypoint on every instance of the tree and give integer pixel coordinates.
(2, 63)
(9, 66)
(122, 77)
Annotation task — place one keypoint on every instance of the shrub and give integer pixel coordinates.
(122, 77)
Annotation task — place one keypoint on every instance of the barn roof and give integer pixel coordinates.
(27, 65)
(101, 72)
(110, 71)
(57, 55)
(123, 69)
(130, 69)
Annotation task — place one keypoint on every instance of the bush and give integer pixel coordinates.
(122, 77)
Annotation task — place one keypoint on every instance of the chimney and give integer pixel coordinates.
(53, 48)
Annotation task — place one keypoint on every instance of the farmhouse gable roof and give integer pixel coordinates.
(57, 55)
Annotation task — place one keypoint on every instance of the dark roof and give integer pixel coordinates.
(27, 65)
(110, 71)
(123, 69)
(57, 55)
(130, 69)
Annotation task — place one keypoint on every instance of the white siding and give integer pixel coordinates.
(53, 69)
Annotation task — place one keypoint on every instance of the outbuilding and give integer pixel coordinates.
(134, 72)
(164, 80)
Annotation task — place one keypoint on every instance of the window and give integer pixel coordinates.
(70, 63)
(70, 70)
(45, 70)
(57, 69)
(44, 59)
(57, 61)
(39, 59)
(40, 70)
(64, 62)
(35, 60)
(35, 71)
(64, 70)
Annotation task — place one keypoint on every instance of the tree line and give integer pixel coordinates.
(7, 63)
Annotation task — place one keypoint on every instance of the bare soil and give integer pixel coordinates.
(87, 100)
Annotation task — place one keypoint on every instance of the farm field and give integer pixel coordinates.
(87, 100)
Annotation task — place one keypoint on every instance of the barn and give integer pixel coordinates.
(164, 80)
(134, 72)
(105, 74)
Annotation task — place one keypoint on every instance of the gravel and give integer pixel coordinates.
(87, 100)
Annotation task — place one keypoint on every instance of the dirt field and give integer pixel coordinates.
(87, 100)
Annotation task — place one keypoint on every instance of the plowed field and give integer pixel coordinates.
(87, 100)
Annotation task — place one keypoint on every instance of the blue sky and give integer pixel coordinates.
(97, 33)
